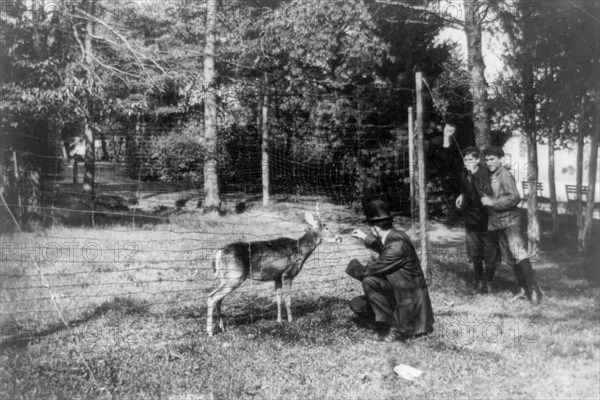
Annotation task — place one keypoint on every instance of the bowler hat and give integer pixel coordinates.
(377, 211)
(494, 150)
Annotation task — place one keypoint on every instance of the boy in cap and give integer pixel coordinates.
(482, 244)
(394, 285)
(504, 219)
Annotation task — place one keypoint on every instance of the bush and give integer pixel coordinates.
(177, 155)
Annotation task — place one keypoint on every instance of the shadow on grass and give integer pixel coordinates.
(21, 338)
(576, 274)
(315, 319)
(448, 276)
(569, 314)
(250, 309)
(75, 208)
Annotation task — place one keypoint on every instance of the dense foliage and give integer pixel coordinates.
(338, 76)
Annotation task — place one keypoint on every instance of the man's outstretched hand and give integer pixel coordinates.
(357, 233)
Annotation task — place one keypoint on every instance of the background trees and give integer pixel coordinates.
(321, 87)
(549, 92)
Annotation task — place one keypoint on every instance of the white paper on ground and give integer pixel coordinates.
(407, 372)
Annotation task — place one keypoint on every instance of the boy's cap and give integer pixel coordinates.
(470, 149)
(494, 150)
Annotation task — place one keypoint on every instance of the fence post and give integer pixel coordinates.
(17, 187)
(422, 176)
(411, 166)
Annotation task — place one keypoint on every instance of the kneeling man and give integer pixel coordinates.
(396, 298)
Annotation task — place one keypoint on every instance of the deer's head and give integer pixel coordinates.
(317, 225)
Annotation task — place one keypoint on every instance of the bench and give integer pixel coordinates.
(525, 187)
(572, 196)
(572, 193)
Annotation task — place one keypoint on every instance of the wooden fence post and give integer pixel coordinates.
(422, 176)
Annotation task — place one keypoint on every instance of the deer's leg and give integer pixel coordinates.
(278, 296)
(288, 298)
(220, 314)
(229, 283)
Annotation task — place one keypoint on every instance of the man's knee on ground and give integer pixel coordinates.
(359, 305)
(362, 308)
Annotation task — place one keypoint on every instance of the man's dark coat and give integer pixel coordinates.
(399, 264)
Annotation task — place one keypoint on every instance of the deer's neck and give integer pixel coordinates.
(308, 242)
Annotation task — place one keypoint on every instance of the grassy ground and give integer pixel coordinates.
(137, 317)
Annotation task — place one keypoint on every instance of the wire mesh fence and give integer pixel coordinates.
(145, 240)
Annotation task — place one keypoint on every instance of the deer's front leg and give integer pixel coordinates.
(278, 296)
(220, 314)
(288, 298)
(209, 315)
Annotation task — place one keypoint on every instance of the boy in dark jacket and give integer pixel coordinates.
(395, 289)
(482, 244)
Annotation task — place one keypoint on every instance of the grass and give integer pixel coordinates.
(145, 337)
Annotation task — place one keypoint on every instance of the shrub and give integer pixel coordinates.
(177, 155)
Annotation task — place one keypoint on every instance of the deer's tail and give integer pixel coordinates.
(217, 264)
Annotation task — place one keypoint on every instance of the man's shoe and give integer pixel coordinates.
(522, 294)
(392, 336)
(536, 295)
(483, 289)
(381, 328)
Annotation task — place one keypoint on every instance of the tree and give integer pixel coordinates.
(211, 184)
(318, 56)
(473, 18)
(90, 152)
(585, 231)
(66, 69)
(553, 65)
(265, 145)
(475, 13)
(334, 85)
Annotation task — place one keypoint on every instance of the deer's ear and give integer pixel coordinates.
(310, 219)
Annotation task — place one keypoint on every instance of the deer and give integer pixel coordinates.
(279, 260)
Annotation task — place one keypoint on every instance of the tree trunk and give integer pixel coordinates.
(533, 224)
(552, 183)
(411, 166)
(37, 16)
(89, 169)
(529, 107)
(19, 208)
(583, 237)
(211, 184)
(479, 86)
(265, 146)
(579, 173)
